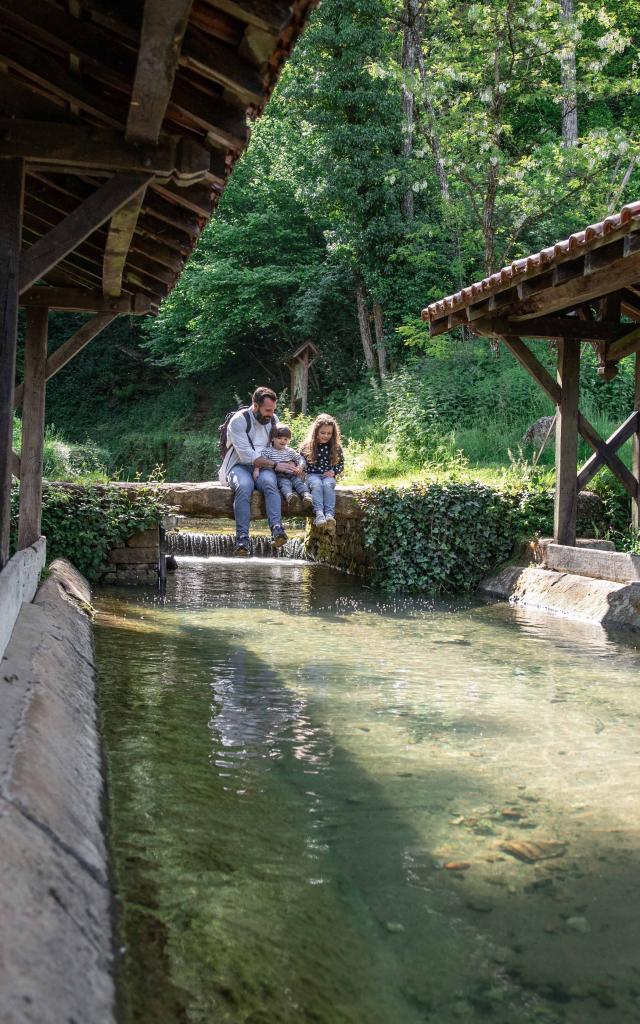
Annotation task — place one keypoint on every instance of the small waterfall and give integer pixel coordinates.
(208, 545)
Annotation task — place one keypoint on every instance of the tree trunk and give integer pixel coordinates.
(410, 50)
(365, 327)
(434, 139)
(568, 81)
(378, 323)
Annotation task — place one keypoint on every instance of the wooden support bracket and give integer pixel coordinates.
(626, 430)
(534, 367)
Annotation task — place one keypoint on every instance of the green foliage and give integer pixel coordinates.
(82, 523)
(437, 538)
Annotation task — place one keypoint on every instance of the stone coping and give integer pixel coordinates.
(55, 898)
(609, 604)
(18, 584)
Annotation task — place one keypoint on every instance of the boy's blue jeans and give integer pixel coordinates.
(241, 480)
(287, 483)
(323, 492)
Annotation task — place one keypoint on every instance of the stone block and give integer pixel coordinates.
(132, 556)
(616, 566)
(145, 539)
(612, 605)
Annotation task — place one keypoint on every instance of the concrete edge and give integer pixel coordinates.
(609, 604)
(55, 901)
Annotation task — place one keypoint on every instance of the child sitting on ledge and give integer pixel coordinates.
(325, 462)
(289, 468)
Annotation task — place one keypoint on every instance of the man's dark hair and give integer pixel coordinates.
(281, 430)
(260, 394)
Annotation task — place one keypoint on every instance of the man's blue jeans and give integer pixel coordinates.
(323, 492)
(241, 481)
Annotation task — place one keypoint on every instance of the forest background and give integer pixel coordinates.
(410, 148)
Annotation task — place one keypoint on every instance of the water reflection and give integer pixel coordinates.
(323, 804)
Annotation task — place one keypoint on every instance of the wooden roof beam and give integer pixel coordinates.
(550, 327)
(164, 23)
(221, 63)
(79, 300)
(77, 226)
(270, 15)
(74, 148)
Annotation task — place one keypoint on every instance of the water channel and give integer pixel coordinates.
(327, 808)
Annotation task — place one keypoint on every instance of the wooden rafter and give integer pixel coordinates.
(78, 225)
(76, 299)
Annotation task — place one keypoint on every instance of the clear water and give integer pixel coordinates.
(310, 792)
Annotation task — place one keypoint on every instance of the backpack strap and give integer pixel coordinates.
(247, 419)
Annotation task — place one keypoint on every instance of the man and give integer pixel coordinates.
(248, 432)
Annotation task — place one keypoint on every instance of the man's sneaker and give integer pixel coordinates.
(330, 524)
(307, 502)
(319, 520)
(242, 548)
(278, 537)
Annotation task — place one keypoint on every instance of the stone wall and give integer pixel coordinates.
(135, 560)
(343, 549)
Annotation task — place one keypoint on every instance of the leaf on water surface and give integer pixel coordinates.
(531, 851)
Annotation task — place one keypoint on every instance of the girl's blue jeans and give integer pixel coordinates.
(323, 492)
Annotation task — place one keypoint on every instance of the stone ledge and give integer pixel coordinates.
(616, 566)
(55, 906)
(18, 584)
(613, 605)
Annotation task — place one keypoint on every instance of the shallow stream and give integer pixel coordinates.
(330, 809)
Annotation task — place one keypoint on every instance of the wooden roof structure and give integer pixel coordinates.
(120, 122)
(585, 288)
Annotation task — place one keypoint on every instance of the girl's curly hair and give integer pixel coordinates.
(309, 446)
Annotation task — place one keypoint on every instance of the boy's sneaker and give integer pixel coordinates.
(278, 537)
(307, 502)
(319, 520)
(243, 547)
(291, 499)
(330, 524)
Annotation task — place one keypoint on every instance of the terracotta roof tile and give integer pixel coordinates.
(576, 245)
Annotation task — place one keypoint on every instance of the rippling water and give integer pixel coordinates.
(312, 791)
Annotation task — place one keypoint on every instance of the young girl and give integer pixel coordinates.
(323, 456)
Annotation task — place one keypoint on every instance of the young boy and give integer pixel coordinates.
(290, 476)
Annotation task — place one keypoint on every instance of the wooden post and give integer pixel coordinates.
(11, 199)
(635, 465)
(566, 499)
(292, 402)
(35, 358)
(304, 388)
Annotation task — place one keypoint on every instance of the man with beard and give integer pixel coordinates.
(248, 432)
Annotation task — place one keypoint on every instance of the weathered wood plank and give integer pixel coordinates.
(549, 327)
(70, 348)
(221, 63)
(115, 194)
(35, 357)
(164, 23)
(65, 147)
(624, 346)
(76, 299)
(11, 198)
(618, 438)
(566, 496)
(270, 15)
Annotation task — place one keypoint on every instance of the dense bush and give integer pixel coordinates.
(437, 538)
(82, 523)
(440, 538)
